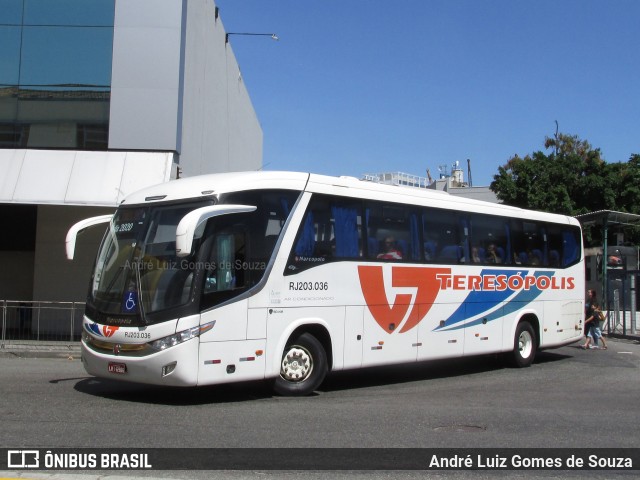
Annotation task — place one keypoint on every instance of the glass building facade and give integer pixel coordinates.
(55, 73)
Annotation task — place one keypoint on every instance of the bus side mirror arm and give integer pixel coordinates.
(72, 234)
(187, 227)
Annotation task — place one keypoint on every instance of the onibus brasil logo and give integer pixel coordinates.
(486, 293)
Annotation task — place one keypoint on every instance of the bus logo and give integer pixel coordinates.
(109, 330)
(105, 331)
(486, 291)
(426, 280)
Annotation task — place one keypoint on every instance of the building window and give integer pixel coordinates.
(55, 73)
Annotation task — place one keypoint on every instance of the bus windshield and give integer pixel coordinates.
(137, 263)
(139, 278)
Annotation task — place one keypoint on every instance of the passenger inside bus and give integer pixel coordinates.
(430, 250)
(530, 257)
(493, 254)
(390, 250)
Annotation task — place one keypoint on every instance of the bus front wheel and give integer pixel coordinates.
(302, 368)
(524, 349)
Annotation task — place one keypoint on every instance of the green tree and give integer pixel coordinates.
(629, 185)
(572, 179)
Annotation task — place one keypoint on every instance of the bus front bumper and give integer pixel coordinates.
(175, 366)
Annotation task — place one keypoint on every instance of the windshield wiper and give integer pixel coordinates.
(140, 299)
(113, 280)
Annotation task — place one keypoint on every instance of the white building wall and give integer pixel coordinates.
(220, 130)
(205, 132)
(145, 77)
(176, 86)
(245, 139)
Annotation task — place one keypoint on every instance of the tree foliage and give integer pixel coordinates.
(571, 179)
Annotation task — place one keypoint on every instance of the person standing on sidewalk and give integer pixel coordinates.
(596, 331)
(587, 314)
(592, 323)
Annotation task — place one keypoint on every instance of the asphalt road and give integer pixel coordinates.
(568, 398)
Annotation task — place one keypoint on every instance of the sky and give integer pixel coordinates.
(370, 86)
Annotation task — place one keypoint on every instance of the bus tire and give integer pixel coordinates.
(303, 366)
(524, 348)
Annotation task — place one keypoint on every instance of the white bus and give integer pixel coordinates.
(287, 276)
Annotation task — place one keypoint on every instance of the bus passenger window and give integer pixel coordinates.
(346, 232)
(564, 246)
(392, 232)
(226, 270)
(528, 243)
(491, 235)
(330, 230)
(443, 242)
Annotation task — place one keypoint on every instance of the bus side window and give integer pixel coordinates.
(347, 232)
(492, 238)
(528, 243)
(392, 232)
(563, 246)
(442, 239)
(227, 267)
(305, 244)
(570, 247)
(330, 230)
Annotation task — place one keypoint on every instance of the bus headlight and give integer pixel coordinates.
(180, 337)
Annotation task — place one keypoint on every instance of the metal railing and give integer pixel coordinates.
(622, 300)
(40, 321)
(621, 321)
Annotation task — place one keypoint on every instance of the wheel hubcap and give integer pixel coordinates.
(525, 344)
(297, 364)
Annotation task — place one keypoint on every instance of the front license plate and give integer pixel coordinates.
(117, 368)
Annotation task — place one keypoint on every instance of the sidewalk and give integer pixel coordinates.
(40, 349)
(629, 337)
(622, 322)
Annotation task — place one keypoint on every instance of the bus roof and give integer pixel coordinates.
(219, 183)
(215, 184)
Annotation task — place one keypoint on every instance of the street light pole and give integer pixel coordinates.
(272, 35)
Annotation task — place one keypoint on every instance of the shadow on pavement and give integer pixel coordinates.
(260, 390)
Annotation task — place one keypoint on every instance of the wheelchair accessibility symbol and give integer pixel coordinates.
(130, 302)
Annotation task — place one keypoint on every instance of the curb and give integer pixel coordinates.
(620, 336)
(37, 350)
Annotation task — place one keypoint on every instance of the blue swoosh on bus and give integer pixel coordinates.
(488, 304)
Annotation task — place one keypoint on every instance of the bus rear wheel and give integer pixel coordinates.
(303, 366)
(524, 349)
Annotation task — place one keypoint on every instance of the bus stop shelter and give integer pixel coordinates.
(608, 220)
